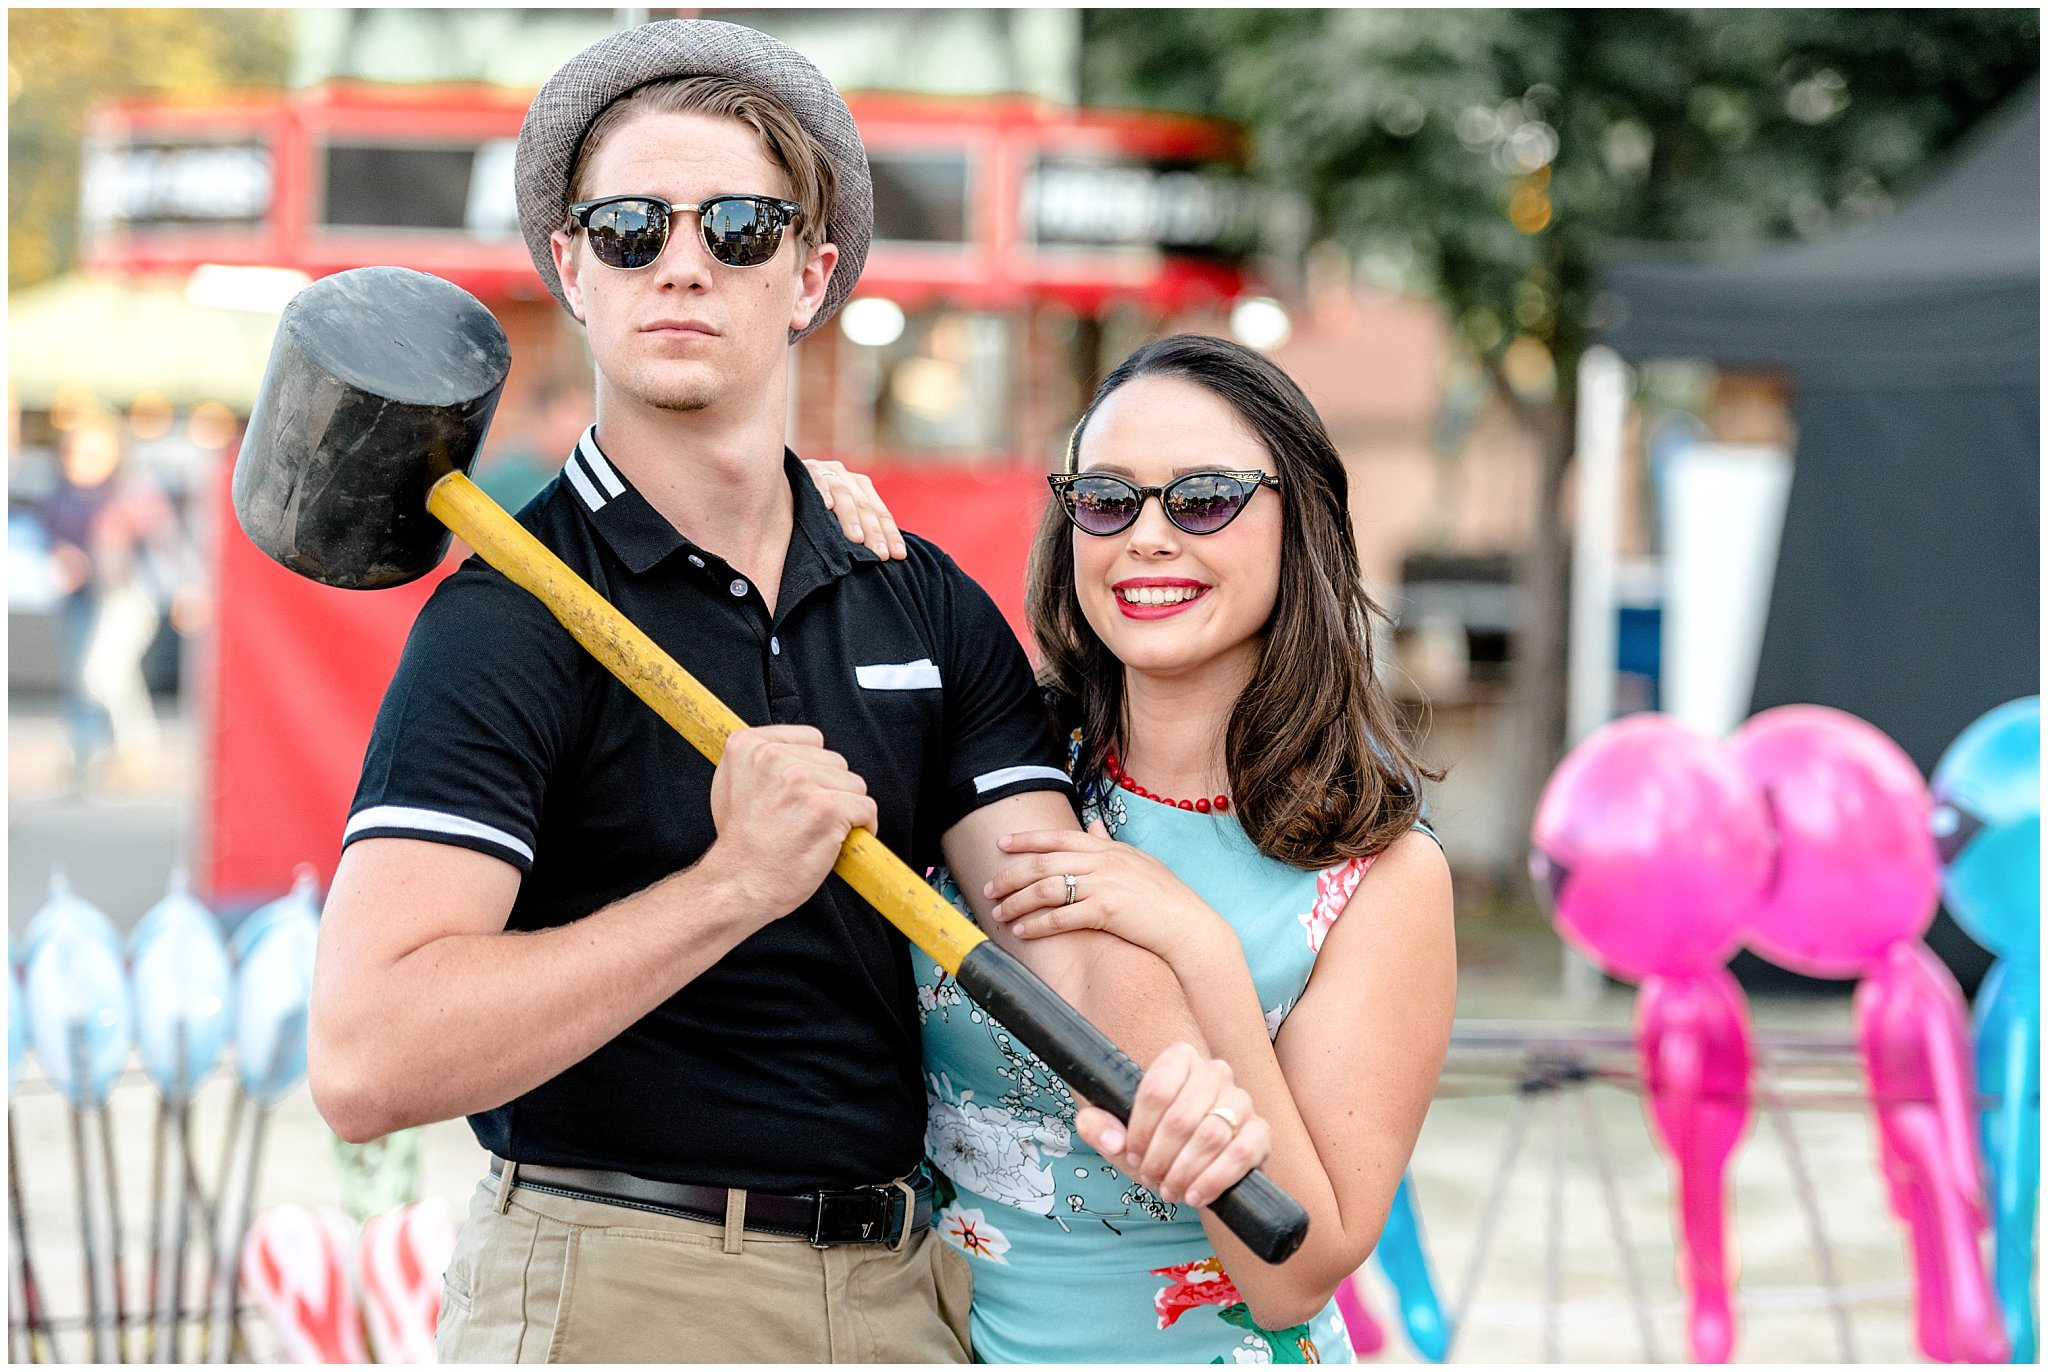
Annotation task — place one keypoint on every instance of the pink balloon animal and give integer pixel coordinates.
(1856, 871)
(1692, 1034)
(1654, 848)
(1367, 1337)
(1914, 1032)
(1854, 887)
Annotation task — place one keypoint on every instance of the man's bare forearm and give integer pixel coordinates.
(1132, 995)
(467, 1021)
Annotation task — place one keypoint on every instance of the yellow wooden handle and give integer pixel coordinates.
(884, 880)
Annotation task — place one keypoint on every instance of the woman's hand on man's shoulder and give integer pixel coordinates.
(863, 518)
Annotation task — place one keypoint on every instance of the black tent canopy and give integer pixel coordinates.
(1944, 291)
(1907, 589)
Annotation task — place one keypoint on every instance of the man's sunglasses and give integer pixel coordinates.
(629, 231)
(1198, 503)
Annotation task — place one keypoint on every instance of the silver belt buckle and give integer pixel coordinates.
(881, 1192)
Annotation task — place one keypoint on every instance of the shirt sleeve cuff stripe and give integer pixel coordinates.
(1007, 776)
(433, 822)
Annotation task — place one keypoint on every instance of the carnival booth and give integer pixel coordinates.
(1016, 243)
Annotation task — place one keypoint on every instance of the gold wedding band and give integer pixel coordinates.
(1073, 884)
(1228, 1116)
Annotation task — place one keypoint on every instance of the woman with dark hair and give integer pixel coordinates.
(1255, 820)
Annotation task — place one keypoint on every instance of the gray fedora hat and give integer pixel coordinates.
(576, 94)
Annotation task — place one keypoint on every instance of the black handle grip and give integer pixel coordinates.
(1271, 1223)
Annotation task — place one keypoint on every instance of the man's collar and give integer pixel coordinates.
(636, 531)
(642, 537)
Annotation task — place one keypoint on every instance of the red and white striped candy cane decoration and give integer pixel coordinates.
(295, 1266)
(400, 1263)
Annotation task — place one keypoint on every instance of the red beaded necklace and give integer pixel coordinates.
(1124, 779)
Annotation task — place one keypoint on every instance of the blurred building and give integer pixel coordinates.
(1034, 52)
(1018, 240)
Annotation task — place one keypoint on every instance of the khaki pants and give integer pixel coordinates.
(542, 1278)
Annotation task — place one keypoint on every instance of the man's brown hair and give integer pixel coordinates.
(786, 142)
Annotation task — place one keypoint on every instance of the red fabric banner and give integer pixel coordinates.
(289, 692)
(984, 518)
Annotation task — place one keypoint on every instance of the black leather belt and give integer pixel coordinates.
(893, 1213)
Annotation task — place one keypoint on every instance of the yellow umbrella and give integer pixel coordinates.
(121, 337)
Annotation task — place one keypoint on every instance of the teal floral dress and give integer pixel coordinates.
(1074, 1261)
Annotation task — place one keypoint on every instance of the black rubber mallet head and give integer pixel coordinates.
(380, 382)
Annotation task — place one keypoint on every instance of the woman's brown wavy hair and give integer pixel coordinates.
(1319, 772)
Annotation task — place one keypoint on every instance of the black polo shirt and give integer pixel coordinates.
(793, 1062)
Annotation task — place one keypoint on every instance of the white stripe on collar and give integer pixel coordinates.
(573, 469)
(594, 458)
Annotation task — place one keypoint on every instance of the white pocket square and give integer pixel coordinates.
(898, 676)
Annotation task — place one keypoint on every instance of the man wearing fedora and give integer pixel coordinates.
(692, 1056)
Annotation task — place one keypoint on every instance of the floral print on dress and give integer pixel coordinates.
(943, 994)
(1107, 806)
(991, 1151)
(971, 1233)
(1291, 1345)
(1333, 891)
(1277, 1016)
(997, 1150)
(1191, 1285)
(1252, 1349)
(1033, 1089)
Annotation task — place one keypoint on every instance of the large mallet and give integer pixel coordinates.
(380, 385)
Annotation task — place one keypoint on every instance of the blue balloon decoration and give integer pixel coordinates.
(66, 908)
(1405, 1261)
(303, 898)
(178, 902)
(77, 986)
(183, 992)
(272, 986)
(2009, 1071)
(1987, 825)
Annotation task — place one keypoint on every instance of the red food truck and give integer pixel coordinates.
(1017, 246)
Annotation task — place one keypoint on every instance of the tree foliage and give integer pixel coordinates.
(1491, 155)
(60, 61)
